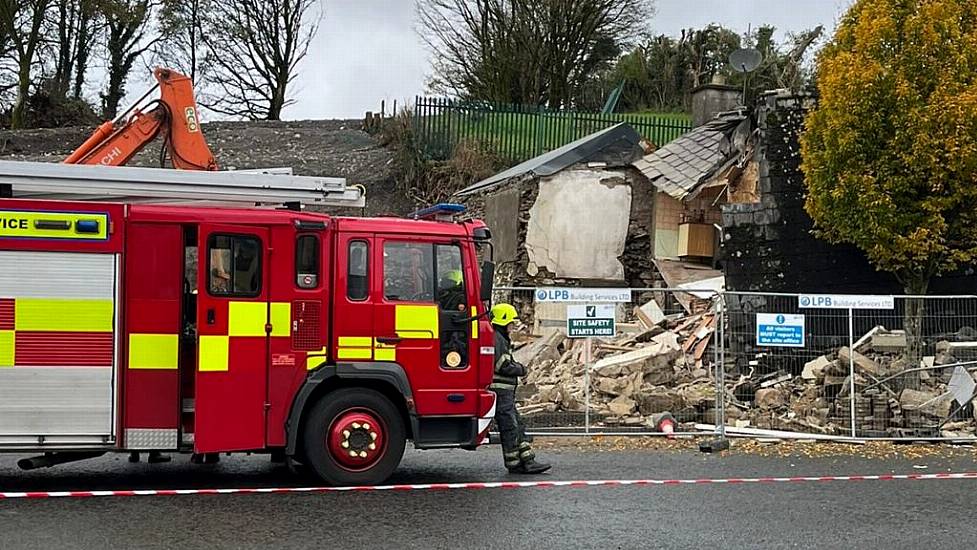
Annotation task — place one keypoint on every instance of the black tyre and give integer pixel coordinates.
(354, 436)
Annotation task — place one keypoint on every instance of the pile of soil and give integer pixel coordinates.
(311, 147)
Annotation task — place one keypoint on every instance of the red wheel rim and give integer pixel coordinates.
(357, 439)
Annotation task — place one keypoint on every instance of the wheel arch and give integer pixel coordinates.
(387, 378)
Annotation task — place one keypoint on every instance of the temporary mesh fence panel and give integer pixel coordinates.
(899, 372)
(902, 368)
(659, 366)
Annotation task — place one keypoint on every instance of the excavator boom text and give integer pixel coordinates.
(175, 115)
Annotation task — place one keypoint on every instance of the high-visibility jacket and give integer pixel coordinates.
(507, 369)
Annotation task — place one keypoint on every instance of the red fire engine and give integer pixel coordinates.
(129, 325)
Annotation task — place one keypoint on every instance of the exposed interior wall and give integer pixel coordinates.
(496, 208)
(670, 212)
(578, 225)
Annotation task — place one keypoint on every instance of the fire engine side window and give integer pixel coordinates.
(357, 280)
(234, 265)
(451, 282)
(307, 261)
(408, 272)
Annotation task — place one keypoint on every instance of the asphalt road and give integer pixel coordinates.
(837, 514)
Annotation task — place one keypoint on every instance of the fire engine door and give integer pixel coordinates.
(234, 322)
(423, 317)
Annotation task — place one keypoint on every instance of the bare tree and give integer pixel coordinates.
(22, 22)
(76, 23)
(182, 46)
(525, 51)
(254, 48)
(128, 36)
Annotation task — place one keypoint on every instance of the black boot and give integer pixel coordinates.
(530, 467)
(133, 457)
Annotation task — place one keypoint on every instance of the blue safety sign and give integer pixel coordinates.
(779, 330)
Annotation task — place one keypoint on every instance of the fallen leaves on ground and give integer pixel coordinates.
(808, 449)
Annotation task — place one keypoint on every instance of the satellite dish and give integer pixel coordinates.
(745, 60)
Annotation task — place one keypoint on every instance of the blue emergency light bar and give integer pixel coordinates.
(444, 211)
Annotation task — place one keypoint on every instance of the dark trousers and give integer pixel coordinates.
(512, 431)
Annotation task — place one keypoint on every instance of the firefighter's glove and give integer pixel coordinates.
(522, 369)
(512, 368)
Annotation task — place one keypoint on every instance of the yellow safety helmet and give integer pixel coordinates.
(504, 314)
(455, 276)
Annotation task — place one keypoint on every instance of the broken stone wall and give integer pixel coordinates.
(583, 217)
(769, 245)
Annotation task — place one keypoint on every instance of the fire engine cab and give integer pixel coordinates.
(130, 323)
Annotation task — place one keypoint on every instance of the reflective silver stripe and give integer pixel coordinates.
(499, 362)
(527, 454)
(513, 454)
(501, 386)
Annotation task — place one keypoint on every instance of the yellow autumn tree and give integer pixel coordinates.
(890, 152)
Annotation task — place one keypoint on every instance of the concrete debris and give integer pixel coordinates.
(892, 396)
(662, 367)
(926, 402)
(770, 398)
(862, 363)
(889, 342)
(650, 314)
(815, 369)
(637, 375)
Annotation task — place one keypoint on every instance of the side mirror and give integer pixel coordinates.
(488, 280)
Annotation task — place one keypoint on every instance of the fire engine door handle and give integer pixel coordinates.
(211, 316)
(389, 339)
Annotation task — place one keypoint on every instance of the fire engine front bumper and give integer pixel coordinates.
(486, 404)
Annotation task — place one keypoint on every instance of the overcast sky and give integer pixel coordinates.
(367, 50)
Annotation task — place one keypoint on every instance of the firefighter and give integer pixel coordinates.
(516, 451)
(451, 294)
(453, 303)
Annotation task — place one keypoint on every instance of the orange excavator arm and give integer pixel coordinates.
(174, 115)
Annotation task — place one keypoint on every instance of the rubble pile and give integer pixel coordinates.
(892, 398)
(664, 364)
(656, 365)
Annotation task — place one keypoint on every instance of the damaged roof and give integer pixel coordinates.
(617, 146)
(682, 165)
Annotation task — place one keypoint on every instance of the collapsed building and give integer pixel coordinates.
(738, 172)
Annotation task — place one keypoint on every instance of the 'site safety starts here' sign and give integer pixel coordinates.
(587, 321)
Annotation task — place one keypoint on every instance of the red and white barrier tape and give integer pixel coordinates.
(481, 485)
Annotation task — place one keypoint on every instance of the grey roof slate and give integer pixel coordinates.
(680, 166)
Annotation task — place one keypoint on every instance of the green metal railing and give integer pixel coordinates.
(520, 132)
